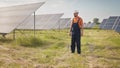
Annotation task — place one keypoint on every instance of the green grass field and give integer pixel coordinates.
(51, 49)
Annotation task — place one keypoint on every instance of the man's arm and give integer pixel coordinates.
(82, 27)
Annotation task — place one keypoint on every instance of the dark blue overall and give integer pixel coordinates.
(76, 38)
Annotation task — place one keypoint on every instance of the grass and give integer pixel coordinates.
(51, 49)
(31, 42)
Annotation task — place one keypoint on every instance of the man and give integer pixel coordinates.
(76, 31)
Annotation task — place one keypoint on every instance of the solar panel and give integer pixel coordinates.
(103, 23)
(63, 23)
(11, 17)
(85, 25)
(44, 21)
(116, 23)
(117, 29)
(68, 24)
(89, 25)
(110, 22)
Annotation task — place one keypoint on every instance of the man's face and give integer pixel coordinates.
(75, 14)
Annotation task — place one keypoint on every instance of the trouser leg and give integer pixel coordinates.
(73, 44)
(78, 41)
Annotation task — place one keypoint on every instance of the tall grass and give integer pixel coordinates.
(31, 42)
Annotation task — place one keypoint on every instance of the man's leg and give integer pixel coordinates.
(73, 44)
(78, 40)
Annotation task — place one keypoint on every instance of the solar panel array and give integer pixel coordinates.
(69, 23)
(89, 25)
(11, 17)
(63, 23)
(112, 23)
(43, 22)
(103, 23)
(85, 25)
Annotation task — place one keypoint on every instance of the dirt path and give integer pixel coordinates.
(92, 61)
(3, 48)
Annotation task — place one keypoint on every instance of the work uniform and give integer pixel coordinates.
(77, 24)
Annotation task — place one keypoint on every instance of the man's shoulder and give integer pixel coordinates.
(79, 17)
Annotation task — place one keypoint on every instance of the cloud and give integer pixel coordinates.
(2, 4)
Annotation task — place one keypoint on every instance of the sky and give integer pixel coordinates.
(88, 9)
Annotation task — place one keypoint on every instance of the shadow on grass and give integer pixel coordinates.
(4, 40)
(58, 45)
(32, 42)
